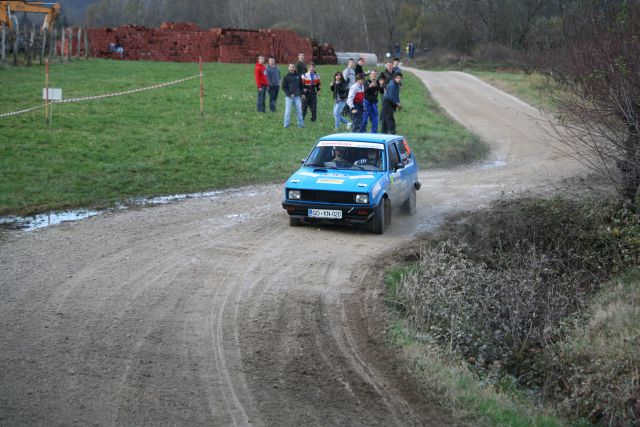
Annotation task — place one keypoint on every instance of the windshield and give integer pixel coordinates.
(347, 155)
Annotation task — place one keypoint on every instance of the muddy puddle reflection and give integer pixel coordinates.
(34, 222)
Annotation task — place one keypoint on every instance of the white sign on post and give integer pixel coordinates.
(54, 94)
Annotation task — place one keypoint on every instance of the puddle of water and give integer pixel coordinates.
(34, 222)
(499, 163)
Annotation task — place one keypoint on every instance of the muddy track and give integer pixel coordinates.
(216, 312)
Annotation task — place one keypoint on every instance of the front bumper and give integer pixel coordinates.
(355, 214)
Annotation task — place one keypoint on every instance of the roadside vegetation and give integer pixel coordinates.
(532, 88)
(151, 143)
(534, 305)
(528, 313)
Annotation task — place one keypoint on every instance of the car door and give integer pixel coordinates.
(408, 174)
(394, 190)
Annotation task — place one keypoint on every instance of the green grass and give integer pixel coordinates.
(533, 88)
(155, 142)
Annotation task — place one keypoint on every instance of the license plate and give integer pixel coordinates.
(325, 213)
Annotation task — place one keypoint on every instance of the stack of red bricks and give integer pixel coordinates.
(323, 53)
(186, 42)
(171, 42)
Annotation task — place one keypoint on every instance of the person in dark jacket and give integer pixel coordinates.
(388, 73)
(372, 88)
(292, 88)
(359, 69)
(390, 103)
(301, 67)
(273, 77)
(340, 92)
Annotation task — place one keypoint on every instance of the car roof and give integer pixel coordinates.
(361, 137)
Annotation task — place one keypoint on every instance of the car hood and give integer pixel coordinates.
(333, 180)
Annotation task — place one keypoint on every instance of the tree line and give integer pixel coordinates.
(371, 25)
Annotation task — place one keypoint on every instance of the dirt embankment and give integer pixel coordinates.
(217, 312)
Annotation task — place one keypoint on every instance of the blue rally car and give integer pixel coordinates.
(353, 178)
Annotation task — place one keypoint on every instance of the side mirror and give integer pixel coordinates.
(398, 165)
(302, 161)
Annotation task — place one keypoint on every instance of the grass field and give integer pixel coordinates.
(151, 143)
(533, 88)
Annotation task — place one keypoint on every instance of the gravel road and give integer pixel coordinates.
(216, 312)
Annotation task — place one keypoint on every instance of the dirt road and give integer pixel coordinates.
(216, 312)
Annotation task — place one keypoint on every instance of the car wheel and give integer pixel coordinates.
(410, 204)
(295, 222)
(378, 221)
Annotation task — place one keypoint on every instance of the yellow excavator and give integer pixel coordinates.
(9, 7)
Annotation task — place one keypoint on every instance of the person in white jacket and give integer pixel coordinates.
(355, 102)
(349, 74)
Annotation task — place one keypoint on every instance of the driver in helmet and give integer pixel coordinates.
(373, 158)
(340, 155)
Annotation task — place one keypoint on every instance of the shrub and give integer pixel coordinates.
(495, 53)
(507, 287)
(438, 58)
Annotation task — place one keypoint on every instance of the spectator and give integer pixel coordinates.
(311, 87)
(261, 82)
(358, 69)
(117, 48)
(396, 49)
(411, 50)
(273, 77)
(348, 74)
(340, 92)
(355, 102)
(391, 102)
(396, 66)
(301, 67)
(372, 88)
(292, 88)
(388, 72)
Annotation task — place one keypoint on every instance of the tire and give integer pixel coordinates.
(410, 204)
(378, 222)
(295, 222)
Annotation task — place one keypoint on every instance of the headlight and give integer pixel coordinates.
(294, 194)
(362, 198)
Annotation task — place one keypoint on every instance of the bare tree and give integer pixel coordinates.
(599, 71)
(241, 13)
(387, 15)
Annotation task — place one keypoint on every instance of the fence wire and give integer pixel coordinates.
(106, 95)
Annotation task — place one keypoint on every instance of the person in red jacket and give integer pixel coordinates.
(260, 73)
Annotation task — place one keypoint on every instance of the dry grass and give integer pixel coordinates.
(519, 295)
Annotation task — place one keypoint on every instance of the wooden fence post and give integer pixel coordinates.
(43, 38)
(70, 44)
(30, 47)
(4, 46)
(62, 44)
(15, 44)
(86, 44)
(52, 43)
(79, 42)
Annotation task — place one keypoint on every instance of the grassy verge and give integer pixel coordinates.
(514, 315)
(472, 400)
(155, 142)
(533, 88)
